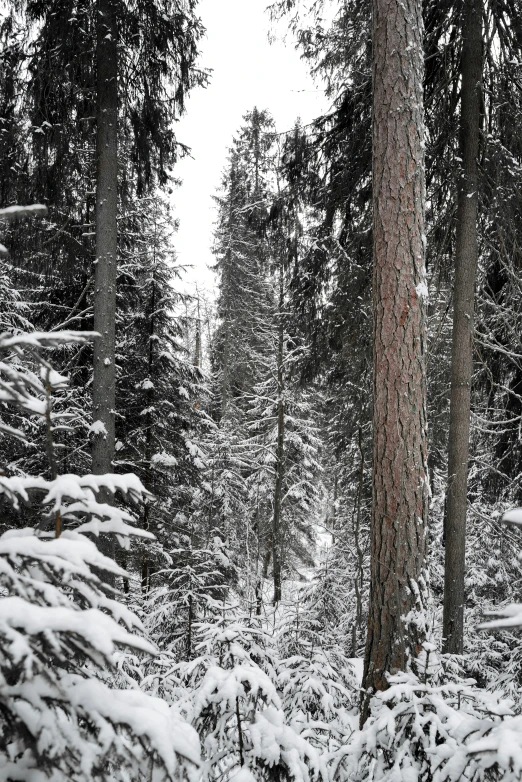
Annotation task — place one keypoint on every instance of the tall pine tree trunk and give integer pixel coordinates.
(276, 523)
(400, 482)
(104, 380)
(466, 259)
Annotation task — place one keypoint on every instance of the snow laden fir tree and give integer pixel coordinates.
(59, 626)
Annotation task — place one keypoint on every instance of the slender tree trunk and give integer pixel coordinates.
(359, 576)
(225, 377)
(123, 563)
(276, 525)
(259, 597)
(266, 559)
(400, 483)
(466, 259)
(50, 447)
(149, 421)
(104, 381)
(240, 734)
(145, 562)
(197, 348)
(104, 375)
(190, 622)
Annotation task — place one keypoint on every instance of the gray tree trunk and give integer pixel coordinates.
(278, 491)
(400, 475)
(197, 348)
(225, 376)
(104, 380)
(466, 259)
(358, 580)
(149, 424)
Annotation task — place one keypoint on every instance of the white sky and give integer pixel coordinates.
(248, 71)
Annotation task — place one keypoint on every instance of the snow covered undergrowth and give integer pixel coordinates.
(268, 701)
(277, 695)
(266, 695)
(210, 685)
(61, 715)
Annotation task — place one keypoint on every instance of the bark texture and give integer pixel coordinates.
(400, 485)
(104, 380)
(466, 259)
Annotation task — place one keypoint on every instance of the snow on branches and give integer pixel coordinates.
(60, 628)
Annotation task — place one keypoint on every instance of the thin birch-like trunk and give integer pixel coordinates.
(466, 260)
(104, 380)
(276, 522)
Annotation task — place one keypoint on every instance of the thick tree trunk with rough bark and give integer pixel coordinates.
(104, 380)
(466, 259)
(400, 482)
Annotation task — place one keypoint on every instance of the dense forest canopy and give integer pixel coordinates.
(268, 531)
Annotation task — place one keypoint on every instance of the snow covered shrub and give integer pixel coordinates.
(60, 624)
(493, 574)
(492, 579)
(58, 632)
(232, 700)
(419, 732)
(317, 682)
(496, 748)
(319, 696)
